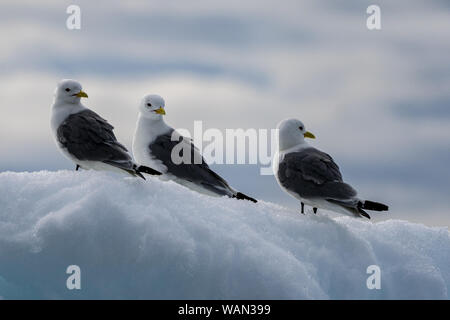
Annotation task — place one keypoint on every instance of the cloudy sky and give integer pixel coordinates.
(377, 101)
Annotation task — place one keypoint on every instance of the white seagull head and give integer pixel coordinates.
(69, 91)
(152, 106)
(292, 132)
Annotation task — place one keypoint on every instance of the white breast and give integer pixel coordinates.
(61, 111)
(147, 130)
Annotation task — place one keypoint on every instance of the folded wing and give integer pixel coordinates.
(196, 170)
(89, 137)
(312, 173)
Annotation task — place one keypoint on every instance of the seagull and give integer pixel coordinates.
(154, 143)
(86, 138)
(312, 176)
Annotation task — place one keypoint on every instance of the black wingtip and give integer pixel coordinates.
(241, 196)
(363, 213)
(374, 206)
(148, 170)
(139, 175)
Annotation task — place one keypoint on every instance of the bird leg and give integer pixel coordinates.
(315, 210)
(77, 167)
(303, 207)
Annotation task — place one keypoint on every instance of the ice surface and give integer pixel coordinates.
(153, 239)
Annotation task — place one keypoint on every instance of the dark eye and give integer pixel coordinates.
(149, 104)
(301, 128)
(67, 89)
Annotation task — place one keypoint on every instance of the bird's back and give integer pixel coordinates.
(87, 137)
(190, 167)
(311, 173)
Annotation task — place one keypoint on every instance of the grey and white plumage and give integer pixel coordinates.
(312, 176)
(84, 137)
(153, 144)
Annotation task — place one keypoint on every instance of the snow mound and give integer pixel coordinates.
(157, 240)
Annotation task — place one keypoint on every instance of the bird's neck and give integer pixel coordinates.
(69, 107)
(153, 125)
(61, 110)
(285, 147)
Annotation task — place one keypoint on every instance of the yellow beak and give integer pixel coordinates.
(160, 111)
(81, 94)
(308, 134)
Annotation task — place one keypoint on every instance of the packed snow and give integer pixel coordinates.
(158, 240)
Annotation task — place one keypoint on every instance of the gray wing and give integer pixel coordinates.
(89, 137)
(313, 174)
(198, 173)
